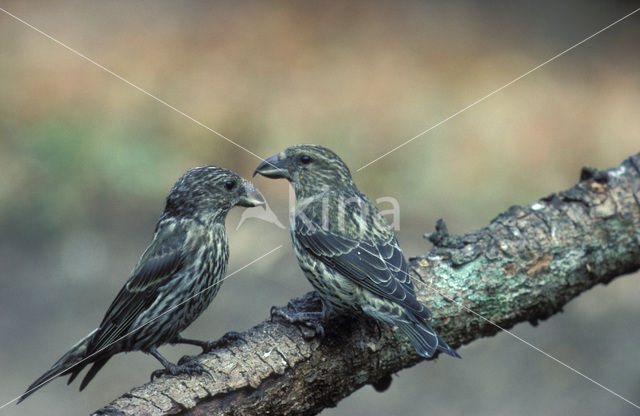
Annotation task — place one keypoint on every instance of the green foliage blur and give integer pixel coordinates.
(360, 79)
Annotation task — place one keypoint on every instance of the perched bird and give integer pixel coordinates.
(174, 281)
(346, 248)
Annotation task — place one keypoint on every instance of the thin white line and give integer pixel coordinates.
(498, 90)
(161, 101)
(379, 256)
(373, 161)
(142, 326)
(536, 348)
(505, 330)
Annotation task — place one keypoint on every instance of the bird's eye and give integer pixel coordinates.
(230, 184)
(305, 159)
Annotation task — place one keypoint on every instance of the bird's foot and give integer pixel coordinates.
(228, 338)
(368, 321)
(208, 346)
(309, 323)
(189, 368)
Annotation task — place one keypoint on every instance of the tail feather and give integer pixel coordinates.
(93, 371)
(70, 363)
(74, 373)
(445, 348)
(424, 339)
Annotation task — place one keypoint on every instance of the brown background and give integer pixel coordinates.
(87, 161)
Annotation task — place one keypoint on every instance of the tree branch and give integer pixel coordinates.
(524, 266)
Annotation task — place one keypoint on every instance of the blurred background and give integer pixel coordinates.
(87, 161)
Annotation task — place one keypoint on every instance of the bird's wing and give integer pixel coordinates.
(162, 259)
(364, 249)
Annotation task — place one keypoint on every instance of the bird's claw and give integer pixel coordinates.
(185, 359)
(273, 312)
(189, 368)
(226, 339)
(309, 323)
(312, 328)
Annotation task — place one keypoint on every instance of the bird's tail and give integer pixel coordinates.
(70, 363)
(425, 339)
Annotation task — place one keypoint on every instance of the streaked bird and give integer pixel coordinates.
(346, 248)
(174, 281)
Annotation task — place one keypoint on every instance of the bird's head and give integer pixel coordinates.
(306, 166)
(209, 193)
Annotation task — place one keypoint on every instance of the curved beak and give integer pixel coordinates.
(251, 197)
(272, 168)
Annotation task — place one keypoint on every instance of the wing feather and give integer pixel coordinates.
(371, 258)
(159, 263)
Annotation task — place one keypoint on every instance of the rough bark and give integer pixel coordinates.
(524, 266)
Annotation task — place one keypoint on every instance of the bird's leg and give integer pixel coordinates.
(366, 318)
(190, 368)
(379, 328)
(208, 346)
(309, 322)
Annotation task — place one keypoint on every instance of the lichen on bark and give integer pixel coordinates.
(524, 266)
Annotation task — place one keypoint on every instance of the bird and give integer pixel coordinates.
(174, 281)
(346, 248)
